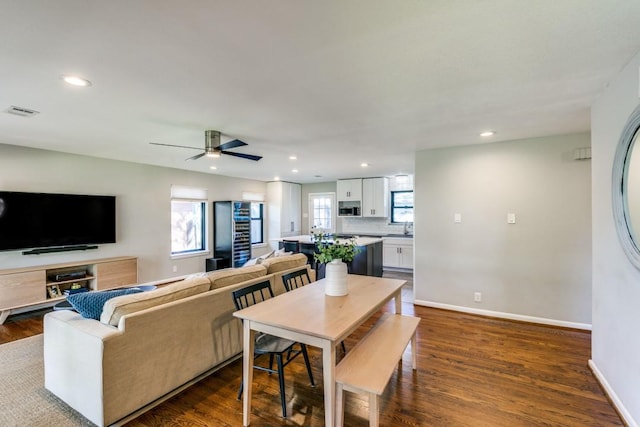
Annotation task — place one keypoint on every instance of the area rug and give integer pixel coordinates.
(23, 399)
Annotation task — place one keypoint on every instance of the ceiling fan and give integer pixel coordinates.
(213, 148)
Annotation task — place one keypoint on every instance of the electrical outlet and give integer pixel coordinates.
(477, 296)
(175, 268)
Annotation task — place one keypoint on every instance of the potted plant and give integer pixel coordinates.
(334, 253)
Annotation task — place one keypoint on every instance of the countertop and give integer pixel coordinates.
(400, 235)
(360, 240)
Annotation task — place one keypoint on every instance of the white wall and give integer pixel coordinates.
(142, 203)
(537, 269)
(616, 283)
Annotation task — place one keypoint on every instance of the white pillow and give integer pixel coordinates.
(281, 252)
(258, 260)
(252, 261)
(265, 256)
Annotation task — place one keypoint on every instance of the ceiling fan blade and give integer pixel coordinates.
(232, 144)
(242, 155)
(179, 146)
(197, 156)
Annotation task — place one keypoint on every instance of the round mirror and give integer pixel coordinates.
(626, 188)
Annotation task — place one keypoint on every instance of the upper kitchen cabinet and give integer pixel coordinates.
(350, 190)
(284, 202)
(349, 197)
(375, 197)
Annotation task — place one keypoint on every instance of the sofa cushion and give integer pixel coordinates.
(90, 304)
(115, 308)
(232, 276)
(280, 263)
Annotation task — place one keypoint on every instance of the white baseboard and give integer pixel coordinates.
(502, 315)
(626, 416)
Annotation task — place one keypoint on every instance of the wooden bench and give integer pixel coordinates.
(368, 367)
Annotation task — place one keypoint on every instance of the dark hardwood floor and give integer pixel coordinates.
(472, 371)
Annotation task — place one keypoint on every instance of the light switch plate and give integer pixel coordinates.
(511, 218)
(457, 218)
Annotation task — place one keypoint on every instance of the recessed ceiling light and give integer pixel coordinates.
(293, 157)
(76, 81)
(213, 167)
(276, 178)
(21, 111)
(294, 170)
(488, 133)
(364, 165)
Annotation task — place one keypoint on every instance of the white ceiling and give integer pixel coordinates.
(335, 82)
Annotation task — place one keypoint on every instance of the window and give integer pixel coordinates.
(188, 220)
(257, 223)
(322, 212)
(402, 206)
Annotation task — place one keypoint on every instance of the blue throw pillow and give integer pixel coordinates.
(90, 304)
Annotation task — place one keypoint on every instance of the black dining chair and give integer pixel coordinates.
(266, 344)
(309, 249)
(297, 279)
(290, 246)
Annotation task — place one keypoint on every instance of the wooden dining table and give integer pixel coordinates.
(308, 316)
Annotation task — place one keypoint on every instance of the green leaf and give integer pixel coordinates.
(329, 249)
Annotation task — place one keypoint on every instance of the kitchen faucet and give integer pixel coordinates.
(408, 226)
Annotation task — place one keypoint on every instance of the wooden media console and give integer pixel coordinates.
(32, 286)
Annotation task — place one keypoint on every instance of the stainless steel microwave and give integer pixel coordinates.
(349, 211)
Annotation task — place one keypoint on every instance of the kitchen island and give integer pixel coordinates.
(368, 262)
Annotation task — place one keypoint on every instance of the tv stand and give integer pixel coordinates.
(39, 251)
(22, 288)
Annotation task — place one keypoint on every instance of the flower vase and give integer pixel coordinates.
(336, 278)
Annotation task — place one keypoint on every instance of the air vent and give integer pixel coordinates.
(21, 111)
(583, 153)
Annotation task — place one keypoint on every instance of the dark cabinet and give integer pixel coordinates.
(368, 262)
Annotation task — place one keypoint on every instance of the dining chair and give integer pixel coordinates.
(270, 345)
(297, 279)
(290, 246)
(309, 249)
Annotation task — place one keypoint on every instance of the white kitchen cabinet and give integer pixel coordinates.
(284, 210)
(397, 253)
(349, 190)
(375, 196)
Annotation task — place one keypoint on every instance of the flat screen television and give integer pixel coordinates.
(42, 220)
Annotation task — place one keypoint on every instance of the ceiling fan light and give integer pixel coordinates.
(213, 155)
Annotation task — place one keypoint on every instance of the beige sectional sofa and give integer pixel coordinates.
(147, 346)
